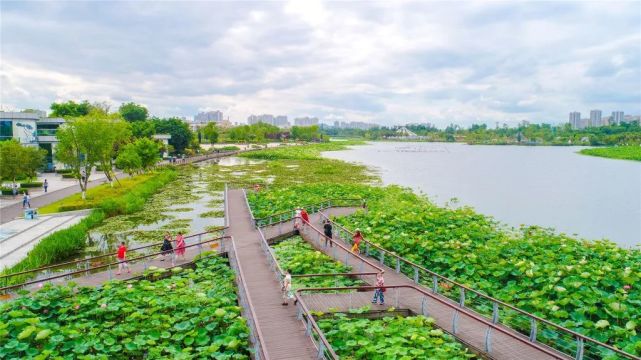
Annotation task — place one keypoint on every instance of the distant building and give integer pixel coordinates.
(32, 128)
(209, 116)
(265, 118)
(575, 120)
(617, 117)
(595, 118)
(630, 118)
(524, 123)
(306, 121)
(281, 121)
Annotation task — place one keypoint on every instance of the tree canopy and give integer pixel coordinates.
(133, 112)
(70, 109)
(210, 133)
(18, 161)
(181, 135)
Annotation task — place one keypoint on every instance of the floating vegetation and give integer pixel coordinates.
(213, 214)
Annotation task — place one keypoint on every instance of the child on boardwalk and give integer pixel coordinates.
(297, 219)
(180, 245)
(357, 241)
(304, 215)
(122, 257)
(166, 248)
(380, 289)
(287, 288)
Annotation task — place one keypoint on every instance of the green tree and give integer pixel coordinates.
(141, 129)
(129, 160)
(305, 133)
(70, 109)
(86, 141)
(33, 160)
(181, 135)
(115, 132)
(133, 112)
(148, 151)
(210, 133)
(18, 161)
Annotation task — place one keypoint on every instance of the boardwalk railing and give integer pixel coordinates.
(534, 327)
(285, 216)
(90, 264)
(110, 265)
(491, 327)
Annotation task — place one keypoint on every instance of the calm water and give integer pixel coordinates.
(549, 186)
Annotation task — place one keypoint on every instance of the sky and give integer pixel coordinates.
(390, 62)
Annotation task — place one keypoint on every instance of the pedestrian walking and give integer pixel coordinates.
(166, 247)
(327, 228)
(287, 288)
(14, 190)
(122, 258)
(305, 216)
(45, 185)
(297, 219)
(180, 245)
(26, 200)
(357, 238)
(380, 289)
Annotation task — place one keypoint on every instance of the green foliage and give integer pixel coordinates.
(306, 152)
(70, 109)
(413, 337)
(210, 133)
(301, 258)
(181, 135)
(305, 133)
(191, 314)
(19, 161)
(36, 184)
(148, 151)
(259, 132)
(128, 159)
(632, 152)
(133, 112)
(141, 129)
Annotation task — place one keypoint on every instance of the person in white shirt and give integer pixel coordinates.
(287, 288)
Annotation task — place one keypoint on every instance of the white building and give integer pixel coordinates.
(575, 120)
(209, 116)
(617, 117)
(595, 118)
(31, 129)
(265, 118)
(281, 121)
(306, 121)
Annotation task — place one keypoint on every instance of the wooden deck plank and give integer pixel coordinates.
(283, 335)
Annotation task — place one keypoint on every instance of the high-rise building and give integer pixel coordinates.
(617, 117)
(265, 118)
(306, 121)
(281, 121)
(575, 120)
(595, 118)
(209, 116)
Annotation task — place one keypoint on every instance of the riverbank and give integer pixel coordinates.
(632, 152)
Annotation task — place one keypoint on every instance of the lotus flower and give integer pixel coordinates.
(103, 305)
(627, 287)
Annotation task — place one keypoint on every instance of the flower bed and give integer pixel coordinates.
(194, 313)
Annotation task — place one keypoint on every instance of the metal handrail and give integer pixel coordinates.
(85, 260)
(312, 325)
(250, 307)
(103, 266)
(456, 308)
(464, 288)
(285, 216)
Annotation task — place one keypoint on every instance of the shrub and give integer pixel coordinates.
(229, 148)
(64, 171)
(68, 176)
(34, 184)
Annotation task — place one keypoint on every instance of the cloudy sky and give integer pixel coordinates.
(383, 62)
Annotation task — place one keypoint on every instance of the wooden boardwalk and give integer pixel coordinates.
(283, 335)
(469, 331)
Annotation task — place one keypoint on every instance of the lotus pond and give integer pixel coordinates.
(301, 258)
(192, 313)
(404, 338)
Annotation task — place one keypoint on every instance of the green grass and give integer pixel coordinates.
(304, 152)
(95, 195)
(631, 152)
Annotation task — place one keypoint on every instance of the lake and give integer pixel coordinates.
(591, 197)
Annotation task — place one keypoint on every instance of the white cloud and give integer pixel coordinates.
(389, 62)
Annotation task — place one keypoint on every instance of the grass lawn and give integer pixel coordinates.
(94, 195)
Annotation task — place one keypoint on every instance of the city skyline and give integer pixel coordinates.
(383, 63)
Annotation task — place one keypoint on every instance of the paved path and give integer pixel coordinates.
(27, 234)
(283, 335)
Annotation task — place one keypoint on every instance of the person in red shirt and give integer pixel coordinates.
(122, 257)
(304, 215)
